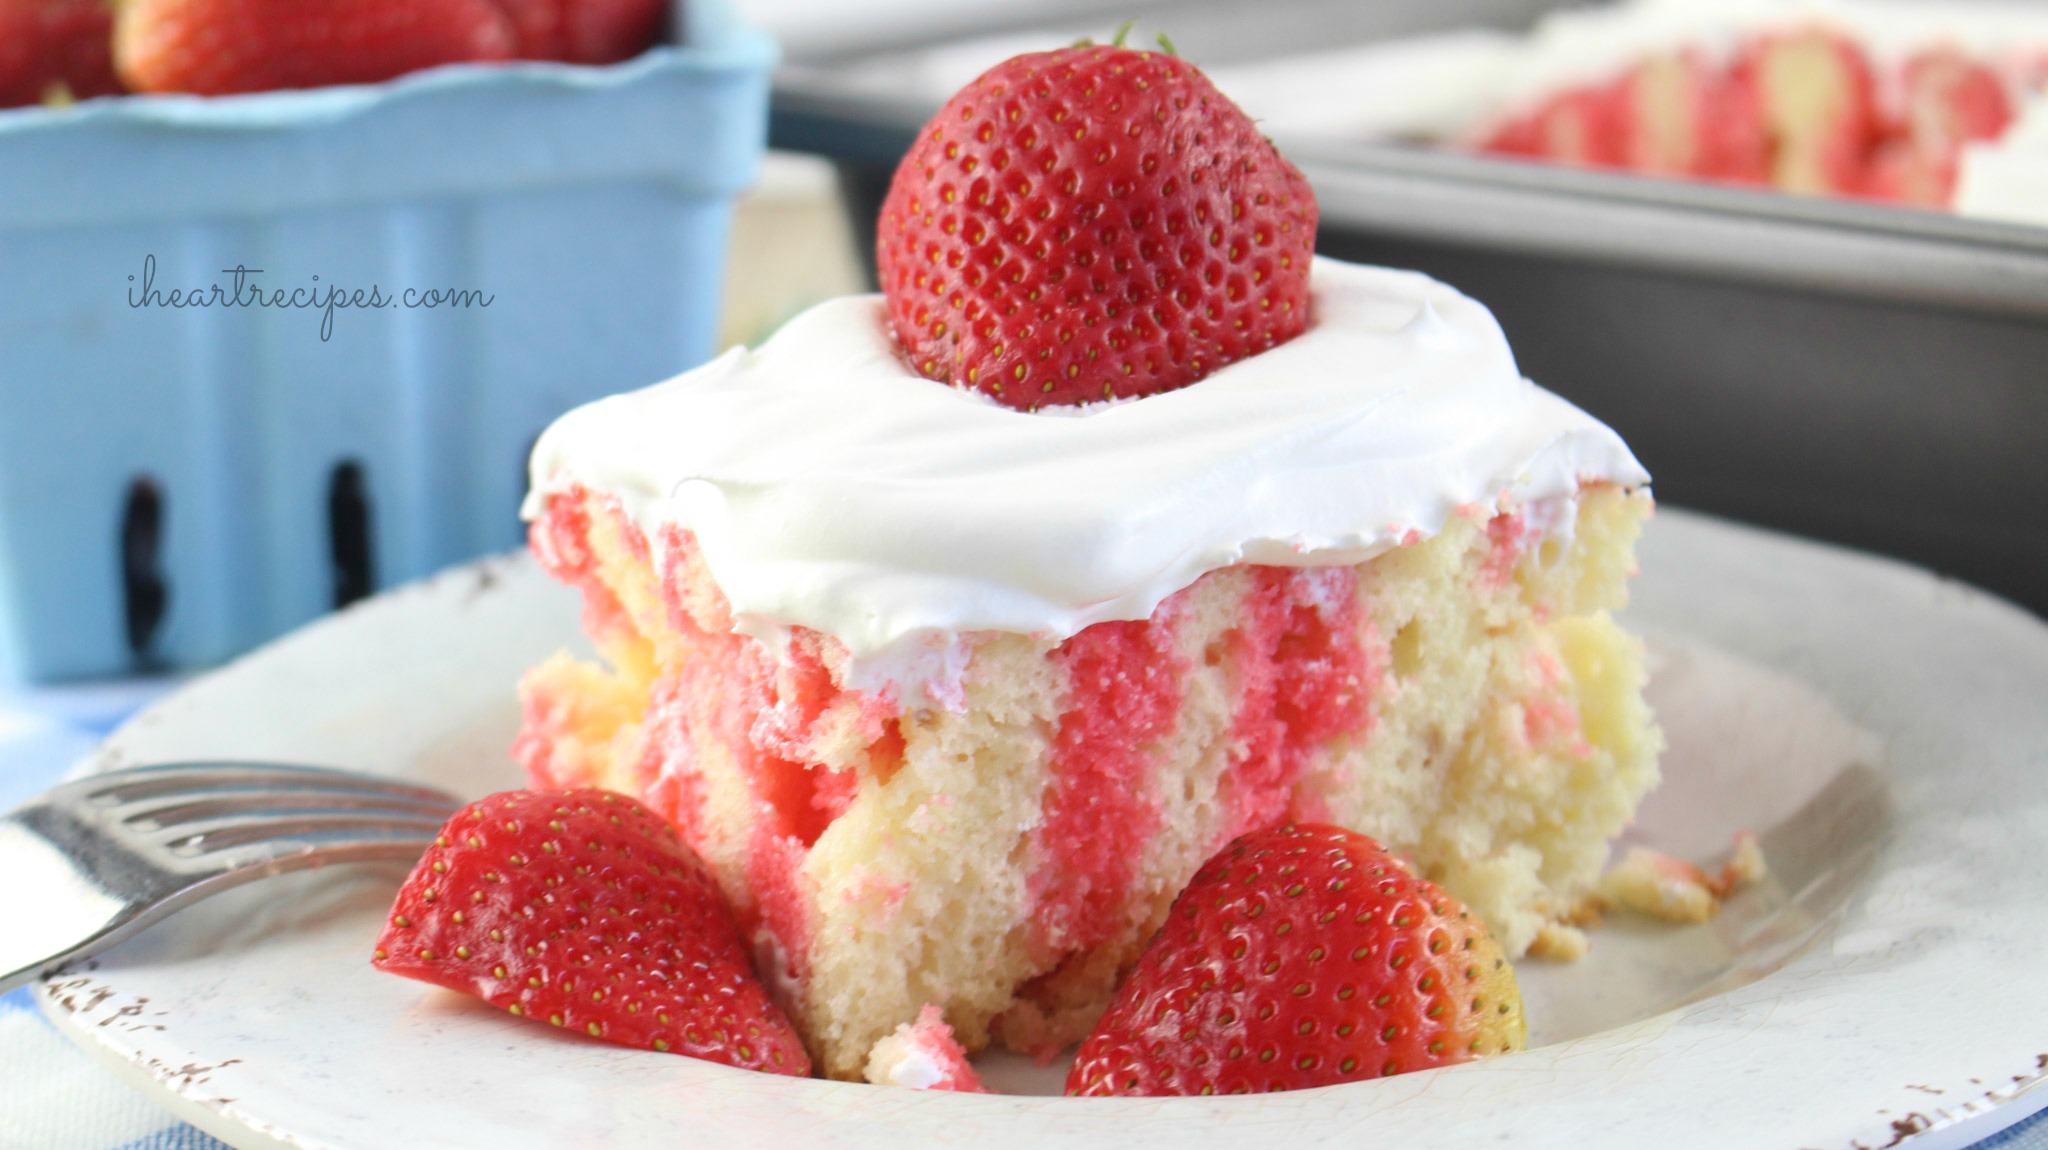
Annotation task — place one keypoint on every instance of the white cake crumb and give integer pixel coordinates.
(1652, 883)
(1559, 943)
(923, 1055)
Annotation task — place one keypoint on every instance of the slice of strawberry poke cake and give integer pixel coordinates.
(956, 627)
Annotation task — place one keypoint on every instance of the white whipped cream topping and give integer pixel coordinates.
(829, 487)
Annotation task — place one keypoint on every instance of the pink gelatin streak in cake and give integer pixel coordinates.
(561, 539)
(1124, 694)
(757, 725)
(671, 786)
(770, 709)
(1504, 535)
(1305, 677)
(1550, 715)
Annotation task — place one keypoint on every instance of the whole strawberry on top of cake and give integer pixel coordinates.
(1092, 224)
(956, 627)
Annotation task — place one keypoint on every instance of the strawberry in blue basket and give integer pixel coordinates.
(585, 31)
(55, 50)
(217, 47)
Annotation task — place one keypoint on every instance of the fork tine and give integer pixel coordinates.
(135, 783)
(209, 837)
(173, 810)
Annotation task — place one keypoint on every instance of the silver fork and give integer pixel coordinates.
(99, 858)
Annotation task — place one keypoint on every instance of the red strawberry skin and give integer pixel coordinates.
(1302, 956)
(585, 910)
(1092, 223)
(53, 47)
(220, 47)
(585, 31)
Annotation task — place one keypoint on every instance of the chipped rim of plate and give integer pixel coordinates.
(1920, 1019)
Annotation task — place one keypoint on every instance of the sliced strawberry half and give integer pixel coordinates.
(584, 910)
(1303, 956)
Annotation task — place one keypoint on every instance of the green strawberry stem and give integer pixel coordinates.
(1123, 33)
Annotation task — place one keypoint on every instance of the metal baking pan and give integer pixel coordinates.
(1869, 375)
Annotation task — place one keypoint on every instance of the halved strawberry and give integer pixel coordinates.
(1092, 223)
(1303, 956)
(585, 910)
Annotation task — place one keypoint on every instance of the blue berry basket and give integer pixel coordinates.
(180, 482)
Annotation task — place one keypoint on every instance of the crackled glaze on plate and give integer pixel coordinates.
(1883, 730)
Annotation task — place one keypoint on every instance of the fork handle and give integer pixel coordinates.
(64, 915)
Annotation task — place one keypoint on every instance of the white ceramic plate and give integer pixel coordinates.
(1887, 732)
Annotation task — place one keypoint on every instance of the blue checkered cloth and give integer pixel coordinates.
(52, 1095)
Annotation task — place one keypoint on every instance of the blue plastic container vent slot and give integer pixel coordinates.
(348, 532)
(145, 595)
